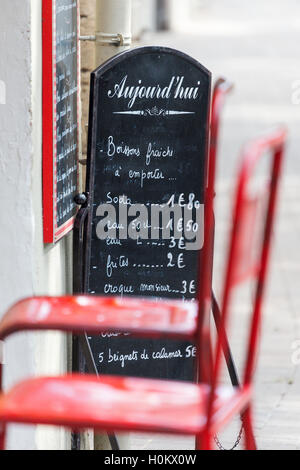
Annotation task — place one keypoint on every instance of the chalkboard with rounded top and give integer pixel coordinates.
(146, 178)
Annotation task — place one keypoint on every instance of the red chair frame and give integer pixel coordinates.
(122, 404)
(257, 270)
(170, 319)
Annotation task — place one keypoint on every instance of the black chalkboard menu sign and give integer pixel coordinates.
(147, 163)
(60, 115)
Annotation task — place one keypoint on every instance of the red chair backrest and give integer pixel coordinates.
(221, 88)
(249, 250)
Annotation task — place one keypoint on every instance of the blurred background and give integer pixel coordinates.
(254, 44)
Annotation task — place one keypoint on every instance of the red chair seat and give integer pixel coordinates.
(94, 314)
(117, 403)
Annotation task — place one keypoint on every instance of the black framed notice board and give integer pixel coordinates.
(61, 115)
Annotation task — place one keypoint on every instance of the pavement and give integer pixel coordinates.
(256, 46)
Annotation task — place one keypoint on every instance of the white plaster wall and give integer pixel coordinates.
(180, 14)
(2, 92)
(143, 16)
(27, 266)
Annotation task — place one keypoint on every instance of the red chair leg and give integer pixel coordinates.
(250, 442)
(204, 442)
(2, 436)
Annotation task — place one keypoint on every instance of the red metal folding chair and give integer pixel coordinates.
(123, 404)
(248, 258)
(172, 319)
